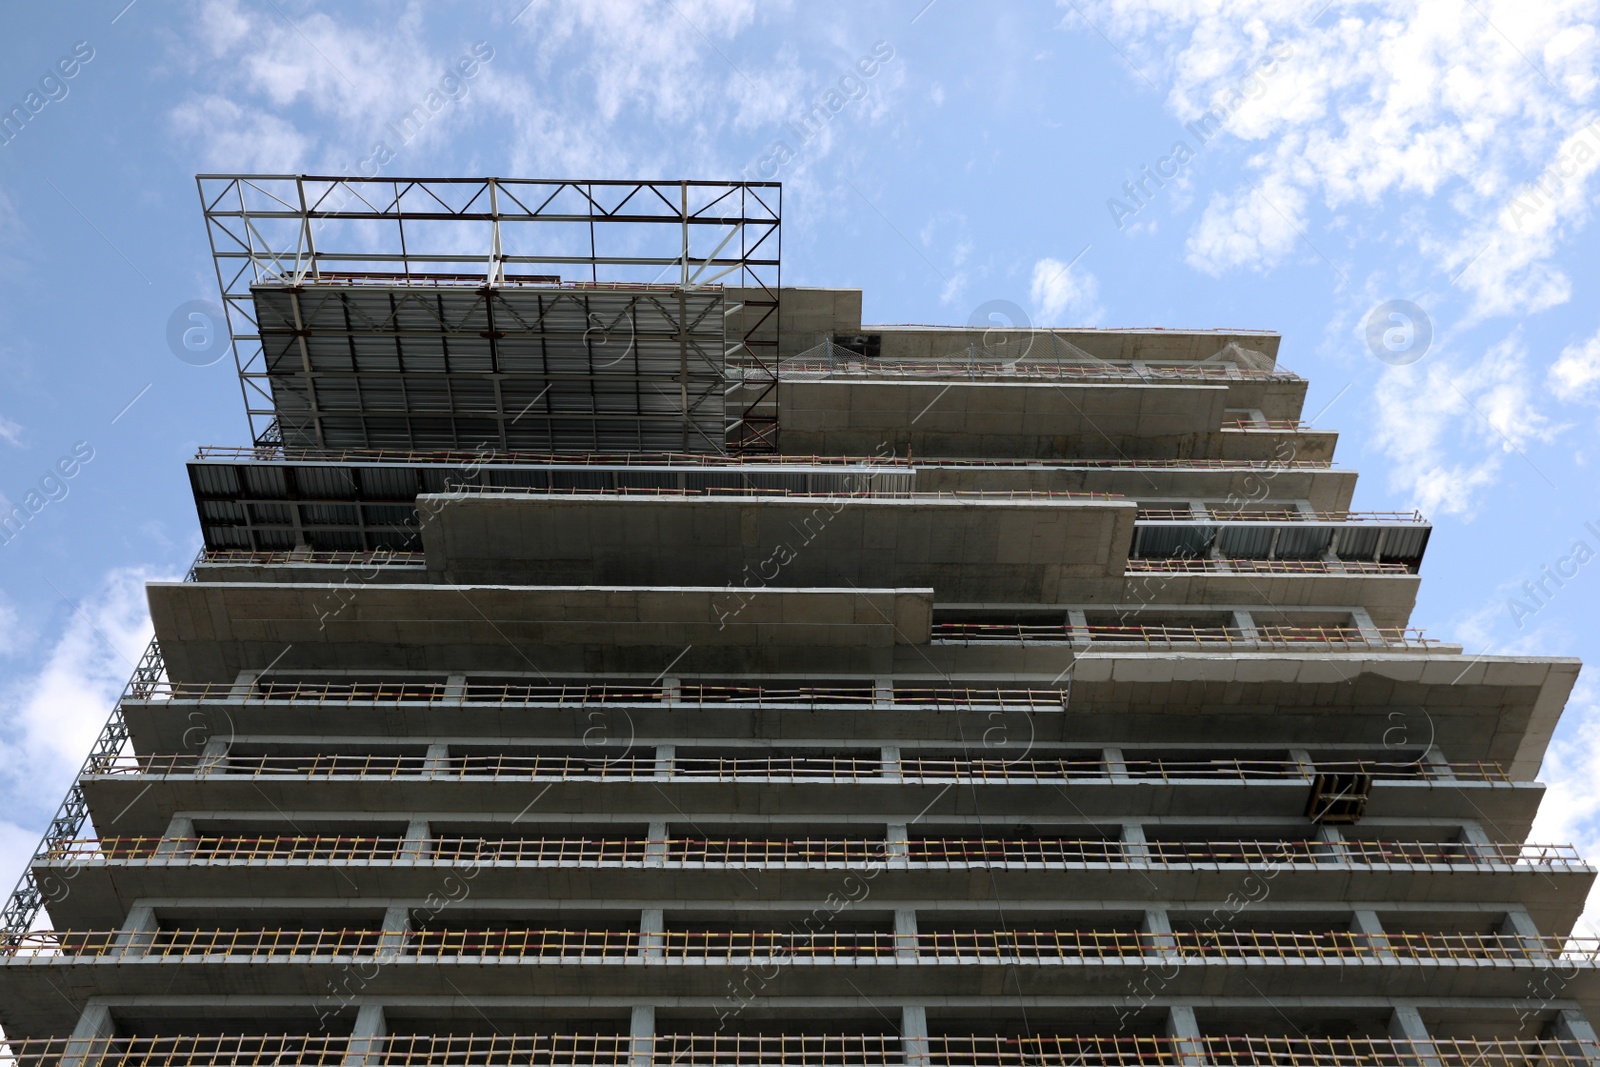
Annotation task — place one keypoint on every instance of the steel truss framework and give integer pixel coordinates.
(368, 311)
(32, 894)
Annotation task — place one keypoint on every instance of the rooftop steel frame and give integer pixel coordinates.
(384, 256)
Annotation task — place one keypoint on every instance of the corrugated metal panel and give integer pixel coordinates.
(1245, 542)
(1162, 542)
(1303, 542)
(263, 482)
(213, 479)
(326, 483)
(329, 515)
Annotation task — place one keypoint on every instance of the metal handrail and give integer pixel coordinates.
(1267, 424)
(801, 852)
(833, 768)
(1179, 565)
(278, 454)
(590, 695)
(987, 368)
(792, 1050)
(789, 494)
(1014, 945)
(1274, 515)
(1260, 637)
(381, 557)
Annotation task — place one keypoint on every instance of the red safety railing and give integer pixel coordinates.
(1275, 515)
(1323, 638)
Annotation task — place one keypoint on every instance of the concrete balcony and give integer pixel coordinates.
(539, 961)
(94, 883)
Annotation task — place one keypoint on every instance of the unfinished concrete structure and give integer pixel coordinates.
(625, 672)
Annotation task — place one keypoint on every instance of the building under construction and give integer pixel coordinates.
(602, 654)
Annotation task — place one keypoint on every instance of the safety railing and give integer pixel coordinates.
(723, 945)
(277, 453)
(687, 696)
(1264, 566)
(1267, 424)
(758, 492)
(800, 852)
(788, 1050)
(807, 369)
(833, 768)
(1322, 638)
(381, 557)
(1275, 515)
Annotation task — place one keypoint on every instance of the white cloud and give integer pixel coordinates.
(1576, 373)
(10, 432)
(1254, 228)
(1570, 811)
(1059, 288)
(1393, 102)
(1449, 428)
(60, 710)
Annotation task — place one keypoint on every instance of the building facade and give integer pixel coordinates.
(585, 667)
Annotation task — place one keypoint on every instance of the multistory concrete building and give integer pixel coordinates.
(603, 653)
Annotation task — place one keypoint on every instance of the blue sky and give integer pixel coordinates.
(1357, 154)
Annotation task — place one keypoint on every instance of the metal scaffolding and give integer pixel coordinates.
(372, 312)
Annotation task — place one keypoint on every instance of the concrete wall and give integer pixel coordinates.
(966, 550)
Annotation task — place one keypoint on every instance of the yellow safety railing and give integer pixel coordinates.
(932, 946)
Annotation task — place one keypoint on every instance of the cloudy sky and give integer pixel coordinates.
(1404, 192)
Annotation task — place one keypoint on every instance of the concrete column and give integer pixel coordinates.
(90, 1039)
(672, 693)
(396, 923)
(1522, 936)
(890, 755)
(914, 1034)
(1438, 766)
(137, 932)
(665, 755)
(212, 755)
(642, 1030)
(455, 687)
(1135, 849)
(1245, 623)
(244, 682)
(1302, 758)
(437, 761)
(1405, 1026)
(882, 691)
(1371, 938)
(367, 1038)
(1157, 928)
(1362, 621)
(1079, 622)
(1187, 1044)
(652, 934)
(1116, 766)
(1328, 847)
(418, 835)
(1578, 1042)
(655, 849)
(896, 851)
(1479, 846)
(905, 934)
(178, 840)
